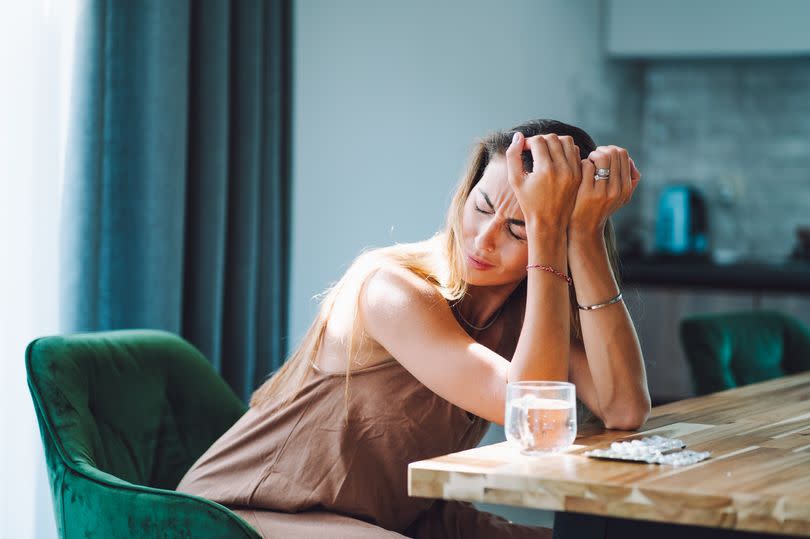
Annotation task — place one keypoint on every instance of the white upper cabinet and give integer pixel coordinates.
(707, 28)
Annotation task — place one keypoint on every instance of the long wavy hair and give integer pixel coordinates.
(438, 260)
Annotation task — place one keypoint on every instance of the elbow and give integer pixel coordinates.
(627, 416)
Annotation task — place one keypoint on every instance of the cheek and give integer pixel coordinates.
(518, 256)
(468, 222)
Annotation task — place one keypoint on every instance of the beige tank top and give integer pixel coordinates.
(304, 457)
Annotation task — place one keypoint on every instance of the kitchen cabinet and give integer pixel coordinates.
(658, 310)
(700, 29)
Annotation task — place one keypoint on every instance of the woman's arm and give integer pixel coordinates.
(615, 376)
(547, 317)
(614, 360)
(546, 196)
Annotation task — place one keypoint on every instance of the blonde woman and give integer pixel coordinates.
(412, 349)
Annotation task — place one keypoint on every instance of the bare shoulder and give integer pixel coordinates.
(394, 300)
(390, 289)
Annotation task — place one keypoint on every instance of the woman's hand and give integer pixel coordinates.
(546, 194)
(599, 199)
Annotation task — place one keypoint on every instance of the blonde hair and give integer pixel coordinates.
(437, 260)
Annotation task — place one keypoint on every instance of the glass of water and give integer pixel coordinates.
(541, 417)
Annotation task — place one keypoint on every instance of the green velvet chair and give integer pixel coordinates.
(123, 415)
(734, 349)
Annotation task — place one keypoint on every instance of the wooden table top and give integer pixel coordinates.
(757, 479)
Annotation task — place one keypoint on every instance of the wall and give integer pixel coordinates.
(740, 131)
(696, 28)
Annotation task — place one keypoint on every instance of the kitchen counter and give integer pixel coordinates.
(787, 276)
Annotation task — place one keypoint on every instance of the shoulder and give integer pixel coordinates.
(393, 291)
(402, 311)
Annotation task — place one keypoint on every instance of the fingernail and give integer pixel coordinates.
(515, 137)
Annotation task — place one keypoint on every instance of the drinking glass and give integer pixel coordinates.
(541, 416)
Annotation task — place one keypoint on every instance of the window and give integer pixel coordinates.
(36, 49)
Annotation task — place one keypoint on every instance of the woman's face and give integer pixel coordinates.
(493, 230)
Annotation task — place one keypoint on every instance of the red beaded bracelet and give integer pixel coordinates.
(552, 270)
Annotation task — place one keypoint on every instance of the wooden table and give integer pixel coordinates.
(758, 478)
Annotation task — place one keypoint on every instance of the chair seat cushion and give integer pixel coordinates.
(271, 524)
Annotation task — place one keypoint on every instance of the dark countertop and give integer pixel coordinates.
(786, 276)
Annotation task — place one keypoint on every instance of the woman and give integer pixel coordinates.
(411, 352)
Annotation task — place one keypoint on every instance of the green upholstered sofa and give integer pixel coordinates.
(123, 415)
(734, 349)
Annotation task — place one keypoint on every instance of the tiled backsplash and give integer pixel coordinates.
(740, 132)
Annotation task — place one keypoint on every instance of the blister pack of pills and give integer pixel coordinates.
(652, 450)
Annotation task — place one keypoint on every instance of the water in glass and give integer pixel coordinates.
(541, 425)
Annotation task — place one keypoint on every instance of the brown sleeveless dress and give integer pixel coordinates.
(302, 471)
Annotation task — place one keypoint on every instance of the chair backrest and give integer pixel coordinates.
(734, 349)
(123, 415)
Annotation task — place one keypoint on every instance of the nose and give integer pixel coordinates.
(485, 239)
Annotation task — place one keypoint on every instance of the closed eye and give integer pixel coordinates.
(507, 224)
(514, 235)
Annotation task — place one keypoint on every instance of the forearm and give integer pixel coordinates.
(543, 346)
(610, 340)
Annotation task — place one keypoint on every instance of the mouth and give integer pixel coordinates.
(479, 264)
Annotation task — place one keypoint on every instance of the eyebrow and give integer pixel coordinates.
(509, 220)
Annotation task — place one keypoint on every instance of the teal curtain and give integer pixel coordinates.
(176, 196)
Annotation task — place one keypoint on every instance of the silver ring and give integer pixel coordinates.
(603, 172)
(599, 178)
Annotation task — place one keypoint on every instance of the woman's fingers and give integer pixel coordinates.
(601, 198)
(514, 162)
(588, 172)
(635, 173)
(572, 155)
(555, 149)
(600, 159)
(624, 166)
(541, 157)
(614, 191)
(635, 176)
